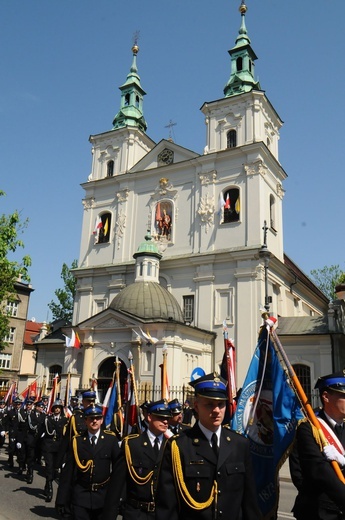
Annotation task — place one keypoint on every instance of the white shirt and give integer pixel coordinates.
(208, 434)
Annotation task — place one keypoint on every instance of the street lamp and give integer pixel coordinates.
(265, 255)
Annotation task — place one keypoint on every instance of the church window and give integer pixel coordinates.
(54, 370)
(163, 220)
(137, 101)
(148, 361)
(141, 269)
(188, 308)
(272, 213)
(149, 268)
(110, 168)
(250, 65)
(239, 63)
(127, 98)
(231, 139)
(303, 375)
(231, 206)
(102, 228)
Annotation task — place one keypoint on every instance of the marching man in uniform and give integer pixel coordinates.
(206, 471)
(321, 494)
(86, 475)
(134, 478)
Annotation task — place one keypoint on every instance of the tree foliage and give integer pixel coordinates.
(327, 278)
(11, 270)
(63, 310)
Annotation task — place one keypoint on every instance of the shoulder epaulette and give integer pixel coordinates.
(227, 426)
(131, 436)
(109, 432)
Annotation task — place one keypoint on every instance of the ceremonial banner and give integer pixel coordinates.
(267, 413)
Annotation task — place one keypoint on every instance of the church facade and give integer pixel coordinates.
(176, 245)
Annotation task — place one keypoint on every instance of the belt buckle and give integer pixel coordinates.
(151, 507)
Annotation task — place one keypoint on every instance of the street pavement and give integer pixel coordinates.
(21, 501)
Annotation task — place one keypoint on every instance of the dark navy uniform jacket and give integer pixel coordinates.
(321, 494)
(88, 488)
(232, 471)
(122, 485)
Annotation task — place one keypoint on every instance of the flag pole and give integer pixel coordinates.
(230, 370)
(308, 410)
(119, 413)
(164, 372)
(134, 387)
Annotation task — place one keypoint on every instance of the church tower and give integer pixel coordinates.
(246, 126)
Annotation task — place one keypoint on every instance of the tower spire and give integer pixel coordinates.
(132, 93)
(242, 62)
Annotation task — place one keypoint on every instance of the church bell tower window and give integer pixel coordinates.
(231, 139)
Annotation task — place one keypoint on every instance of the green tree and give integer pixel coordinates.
(64, 309)
(11, 270)
(327, 278)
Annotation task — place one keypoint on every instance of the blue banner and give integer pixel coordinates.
(267, 413)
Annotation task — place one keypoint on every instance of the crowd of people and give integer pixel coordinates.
(177, 463)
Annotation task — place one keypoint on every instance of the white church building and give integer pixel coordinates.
(174, 242)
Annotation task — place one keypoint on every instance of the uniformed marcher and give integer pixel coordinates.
(321, 494)
(206, 471)
(138, 466)
(86, 475)
(28, 436)
(3, 422)
(175, 421)
(76, 424)
(13, 423)
(53, 427)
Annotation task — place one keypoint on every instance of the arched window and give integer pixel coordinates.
(231, 206)
(137, 101)
(110, 168)
(127, 98)
(272, 213)
(231, 139)
(102, 228)
(53, 371)
(303, 375)
(239, 63)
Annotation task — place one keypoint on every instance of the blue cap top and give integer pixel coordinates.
(89, 394)
(334, 382)
(160, 408)
(212, 386)
(175, 406)
(94, 410)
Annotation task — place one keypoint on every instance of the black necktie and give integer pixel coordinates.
(214, 441)
(93, 441)
(156, 446)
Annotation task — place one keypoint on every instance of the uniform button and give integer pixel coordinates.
(219, 492)
(220, 513)
(218, 473)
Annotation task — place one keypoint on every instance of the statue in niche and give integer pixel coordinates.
(163, 220)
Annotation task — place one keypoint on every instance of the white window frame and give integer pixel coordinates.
(5, 361)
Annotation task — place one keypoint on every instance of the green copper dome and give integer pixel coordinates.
(148, 246)
(148, 300)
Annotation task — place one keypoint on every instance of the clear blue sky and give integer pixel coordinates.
(62, 62)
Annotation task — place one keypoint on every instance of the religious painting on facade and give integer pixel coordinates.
(163, 219)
